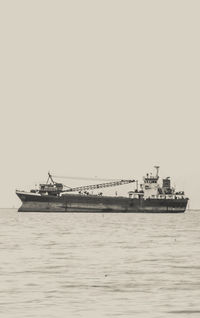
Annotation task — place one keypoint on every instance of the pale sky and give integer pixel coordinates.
(99, 88)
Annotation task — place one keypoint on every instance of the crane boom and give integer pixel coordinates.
(99, 186)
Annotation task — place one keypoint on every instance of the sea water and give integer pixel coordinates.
(99, 265)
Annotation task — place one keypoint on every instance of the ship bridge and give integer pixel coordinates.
(150, 179)
(150, 185)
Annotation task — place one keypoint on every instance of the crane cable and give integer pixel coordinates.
(86, 178)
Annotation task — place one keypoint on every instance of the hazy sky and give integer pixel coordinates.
(99, 88)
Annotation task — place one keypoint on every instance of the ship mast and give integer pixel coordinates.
(157, 171)
(50, 178)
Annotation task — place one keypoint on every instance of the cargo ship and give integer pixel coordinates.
(150, 196)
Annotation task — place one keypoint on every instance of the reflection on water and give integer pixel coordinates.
(100, 265)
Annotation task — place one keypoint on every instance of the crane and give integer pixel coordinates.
(58, 187)
(99, 186)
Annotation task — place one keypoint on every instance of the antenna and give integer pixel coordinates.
(157, 170)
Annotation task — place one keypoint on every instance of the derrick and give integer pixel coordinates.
(99, 186)
(107, 184)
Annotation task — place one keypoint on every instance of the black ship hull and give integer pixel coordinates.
(93, 203)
